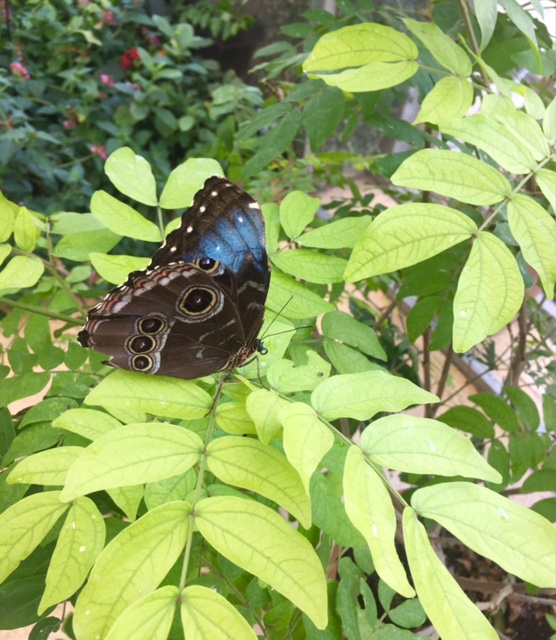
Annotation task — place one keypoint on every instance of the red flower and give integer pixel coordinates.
(20, 70)
(129, 57)
(99, 150)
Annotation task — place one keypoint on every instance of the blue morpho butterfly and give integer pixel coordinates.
(198, 307)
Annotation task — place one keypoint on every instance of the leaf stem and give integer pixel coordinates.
(199, 485)
(40, 311)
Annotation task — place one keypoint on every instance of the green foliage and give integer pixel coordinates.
(152, 503)
(114, 76)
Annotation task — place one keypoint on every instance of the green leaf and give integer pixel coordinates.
(306, 439)
(115, 269)
(519, 540)
(46, 467)
(494, 138)
(131, 566)
(25, 230)
(149, 618)
(486, 12)
(297, 210)
(130, 455)
(498, 410)
(450, 98)
(454, 175)
(442, 47)
(23, 527)
(185, 180)
(232, 417)
(174, 488)
(362, 395)
(311, 265)
(132, 175)
(369, 507)
(329, 512)
(368, 57)
(8, 212)
(421, 445)
(469, 420)
(453, 615)
(338, 325)
(408, 614)
(534, 228)
(421, 315)
(122, 219)
(337, 234)
(322, 116)
(548, 120)
(20, 272)
(158, 395)
(260, 541)
(347, 360)
(525, 407)
(128, 499)
(527, 131)
(78, 246)
(546, 180)
(274, 143)
(285, 376)
(80, 541)
(263, 407)
(293, 300)
(89, 423)
(249, 464)
(405, 235)
(17, 387)
(5, 250)
(489, 294)
(206, 614)
(524, 23)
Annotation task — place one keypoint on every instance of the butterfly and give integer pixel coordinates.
(198, 307)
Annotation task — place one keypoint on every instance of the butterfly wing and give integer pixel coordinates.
(198, 307)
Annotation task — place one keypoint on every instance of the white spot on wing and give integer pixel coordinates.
(172, 249)
(240, 219)
(189, 229)
(202, 208)
(254, 205)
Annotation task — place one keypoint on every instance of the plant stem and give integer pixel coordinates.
(40, 311)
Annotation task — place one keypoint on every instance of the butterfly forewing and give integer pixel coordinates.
(198, 307)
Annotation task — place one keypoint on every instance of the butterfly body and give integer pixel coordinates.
(198, 307)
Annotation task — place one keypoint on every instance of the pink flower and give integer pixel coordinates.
(108, 18)
(107, 80)
(154, 40)
(69, 124)
(99, 150)
(133, 85)
(19, 69)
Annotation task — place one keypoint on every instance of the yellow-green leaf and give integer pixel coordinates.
(311, 265)
(130, 567)
(297, 210)
(122, 219)
(453, 615)
(249, 464)
(404, 235)
(306, 439)
(420, 445)
(206, 615)
(20, 272)
(25, 230)
(293, 300)
(533, 227)
(88, 423)
(161, 396)
(132, 175)
(521, 541)
(454, 175)
(362, 395)
(260, 541)
(450, 98)
(185, 180)
(489, 294)
(80, 541)
(546, 180)
(115, 269)
(370, 509)
(133, 454)
(263, 407)
(149, 618)
(45, 467)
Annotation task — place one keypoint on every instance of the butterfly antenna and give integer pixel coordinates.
(276, 318)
